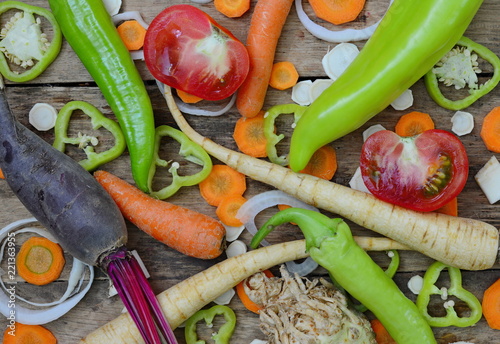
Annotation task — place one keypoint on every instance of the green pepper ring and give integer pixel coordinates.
(432, 84)
(225, 331)
(51, 53)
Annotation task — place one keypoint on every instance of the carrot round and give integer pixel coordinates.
(227, 209)
(414, 123)
(232, 8)
(188, 98)
(26, 334)
(249, 135)
(245, 299)
(323, 163)
(187, 231)
(266, 24)
(223, 181)
(381, 334)
(337, 12)
(40, 261)
(283, 75)
(491, 305)
(490, 131)
(132, 34)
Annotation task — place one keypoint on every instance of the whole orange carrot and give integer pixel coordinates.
(185, 230)
(268, 20)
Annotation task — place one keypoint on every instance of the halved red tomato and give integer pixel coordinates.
(186, 49)
(422, 172)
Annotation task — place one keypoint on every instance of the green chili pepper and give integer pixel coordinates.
(432, 83)
(24, 43)
(429, 288)
(88, 28)
(331, 244)
(269, 129)
(85, 142)
(409, 41)
(225, 331)
(191, 151)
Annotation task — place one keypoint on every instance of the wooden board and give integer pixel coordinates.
(66, 80)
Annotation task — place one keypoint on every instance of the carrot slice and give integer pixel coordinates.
(283, 75)
(491, 305)
(249, 135)
(188, 98)
(232, 8)
(490, 131)
(132, 34)
(381, 334)
(337, 12)
(227, 209)
(247, 302)
(323, 163)
(223, 181)
(2, 175)
(40, 261)
(450, 208)
(25, 334)
(414, 123)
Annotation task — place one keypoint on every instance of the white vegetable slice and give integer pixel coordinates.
(236, 248)
(258, 341)
(225, 298)
(357, 182)
(371, 130)
(462, 123)
(130, 15)
(338, 59)
(317, 87)
(488, 179)
(415, 284)
(201, 1)
(404, 101)
(300, 92)
(233, 233)
(42, 116)
(112, 6)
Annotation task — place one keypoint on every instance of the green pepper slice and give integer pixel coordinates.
(190, 150)
(432, 82)
(225, 331)
(24, 44)
(269, 129)
(429, 288)
(86, 142)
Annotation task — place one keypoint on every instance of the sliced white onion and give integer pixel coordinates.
(404, 101)
(130, 15)
(236, 248)
(372, 130)
(233, 233)
(52, 310)
(462, 123)
(347, 35)
(112, 6)
(225, 298)
(42, 116)
(317, 87)
(357, 182)
(488, 179)
(338, 59)
(300, 92)
(415, 284)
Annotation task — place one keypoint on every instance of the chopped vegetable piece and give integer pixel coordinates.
(40, 261)
(415, 284)
(491, 305)
(414, 123)
(228, 208)
(450, 208)
(300, 92)
(337, 12)
(381, 334)
(225, 331)
(488, 179)
(283, 75)
(232, 8)
(317, 88)
(27, 334)
(371, 130)
(404, 101)
(490, 131)
(132, 34)
(241, 290)
(222, 182)
(42, 116)
(463, 123)
(188, 98)
(323, 163)
(356, 181)
(338, 59)
(249, 135)
(236, 248)
(112, 6)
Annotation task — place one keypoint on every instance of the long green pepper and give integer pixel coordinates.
(331, 244)
(89, 30)
(411, 38)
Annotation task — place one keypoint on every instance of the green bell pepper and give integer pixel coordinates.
(225, 331)
(455, 289)
(190, 150)
(24, 44)
(84, 141)
(453, 71)
(331, 244)
(89, 30)
(409, 41)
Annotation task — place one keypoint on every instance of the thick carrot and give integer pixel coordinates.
(413, 123)
(266, 24)
(223, 181)
(381, 334)
(188, 98)
(491, 305)
(249, 135)
(187, 297)
(132, 34)
(187, 231)
(28, 334)
(283, 75)
(490, 131)
(323, 163)
(337, 12)
(464, 243)
(232, 8)
(228, 208)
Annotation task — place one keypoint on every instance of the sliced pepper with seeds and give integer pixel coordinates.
(225, 331)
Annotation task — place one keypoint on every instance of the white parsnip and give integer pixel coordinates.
(464, 243)
(187, 297)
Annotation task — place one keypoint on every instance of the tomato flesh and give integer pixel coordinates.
(423, 172)
(186, 49)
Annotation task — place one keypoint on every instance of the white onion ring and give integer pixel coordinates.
(256, 204)
(58, 308)
(340, 36)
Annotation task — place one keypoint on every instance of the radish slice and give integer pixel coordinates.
(300, 92)
(404, 101)
(371, 130)
(42, 116)
(112, 6)
(317, 87)
(338, 59)
(488, 179)
(463, 123)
